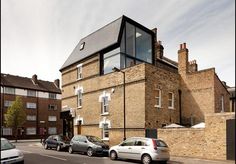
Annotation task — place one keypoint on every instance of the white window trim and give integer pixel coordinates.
(79, 71)
(172, 101)
(107, 105)
(160, 94)
(52, 120)
(103, 132)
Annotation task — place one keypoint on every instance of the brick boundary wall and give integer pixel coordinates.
(207, 143)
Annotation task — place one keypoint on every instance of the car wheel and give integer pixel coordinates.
(58, 147)
(146, 159)
(90, 152)
(113, 155)
(70, 150)
(45, 146)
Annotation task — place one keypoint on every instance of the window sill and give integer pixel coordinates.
(159, 107)
(104, 114)
(79, 107)
(79, 79)
(172, 108)
(105, 139)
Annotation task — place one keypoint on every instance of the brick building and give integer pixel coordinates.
(42, 102)
(145, 91)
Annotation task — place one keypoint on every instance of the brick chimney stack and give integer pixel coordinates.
(193, 66)
(57, 83)
(159, 50)
(183, 59)
(155, 36)
(35, 79)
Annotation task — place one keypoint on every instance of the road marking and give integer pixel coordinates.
(27, 151)
(63, 159)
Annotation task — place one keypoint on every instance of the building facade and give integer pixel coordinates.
(42, 103)
(117, 83)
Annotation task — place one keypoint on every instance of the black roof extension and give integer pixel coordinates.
(99, 40)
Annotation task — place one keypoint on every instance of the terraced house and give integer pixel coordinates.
(42, 104)
(118, 83)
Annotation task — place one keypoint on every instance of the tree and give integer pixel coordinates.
(15, 116)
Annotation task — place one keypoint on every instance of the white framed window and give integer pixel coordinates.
(8, 103)
(79, 71)
(158, 98)
(79, 98)
(52, 118)
(222, 103)
(31, 118)
(52, 130)
(9, 90)
(31, 105)
(52, 96)
(7, 131)
(171, 100)
(52, 107)
(31, 93)
(31, 131)
(105, 132)
(105, 105)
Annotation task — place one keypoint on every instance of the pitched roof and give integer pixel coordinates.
(27, 83)
(95, 42)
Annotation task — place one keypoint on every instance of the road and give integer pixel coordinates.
(35, 154)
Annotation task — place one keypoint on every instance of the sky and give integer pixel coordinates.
(37, 36)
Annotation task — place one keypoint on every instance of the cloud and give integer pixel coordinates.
(39, 35)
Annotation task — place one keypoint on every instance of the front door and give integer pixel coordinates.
(79, 127)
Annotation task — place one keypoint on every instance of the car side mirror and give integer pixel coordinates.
(85, 141)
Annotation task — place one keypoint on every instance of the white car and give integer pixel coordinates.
(9, 153)
(140, 148)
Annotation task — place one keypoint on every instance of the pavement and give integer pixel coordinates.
(179, 160)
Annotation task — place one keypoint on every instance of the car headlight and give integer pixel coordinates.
(21, 154)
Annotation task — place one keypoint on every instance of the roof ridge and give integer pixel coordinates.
(102, 27)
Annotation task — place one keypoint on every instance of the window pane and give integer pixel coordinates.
(9, 90)
(30, 131)
(31, 105)
(110, 53)
(110, 63)
(52, 118)
(130, 39)
(31, 93)
(143, 45)
(122, 44)
(8, 103)
(52, 130)
(52, 95)
(129, 62)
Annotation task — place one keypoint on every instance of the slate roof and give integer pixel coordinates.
(27, 83)
(95, 42)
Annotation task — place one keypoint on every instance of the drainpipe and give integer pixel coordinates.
(180, 107)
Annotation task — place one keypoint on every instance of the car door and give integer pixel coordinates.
(75, 143)
(49, 141)
(83, 144)
(54, 141)
(125, 149)
(140, 145)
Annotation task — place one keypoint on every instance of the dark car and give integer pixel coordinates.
(58, 142)
(88, 144)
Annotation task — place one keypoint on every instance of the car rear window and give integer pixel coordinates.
(160, 143)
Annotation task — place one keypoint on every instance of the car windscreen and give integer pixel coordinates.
(160, 143)
(6, 145)
(94, 139)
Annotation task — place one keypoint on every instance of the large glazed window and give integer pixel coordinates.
(135, 47)
(143, 46)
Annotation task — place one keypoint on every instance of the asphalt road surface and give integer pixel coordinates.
(34, 153)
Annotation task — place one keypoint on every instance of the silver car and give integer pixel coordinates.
(140, 148)
(9, 153)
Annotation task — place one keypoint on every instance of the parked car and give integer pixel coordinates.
(88, 144)
(58, 142)
(139, 148)
(9, 153)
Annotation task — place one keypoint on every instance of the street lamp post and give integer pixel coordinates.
(118, 70)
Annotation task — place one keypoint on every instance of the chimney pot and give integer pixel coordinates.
(57, 83)
(35, 79)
